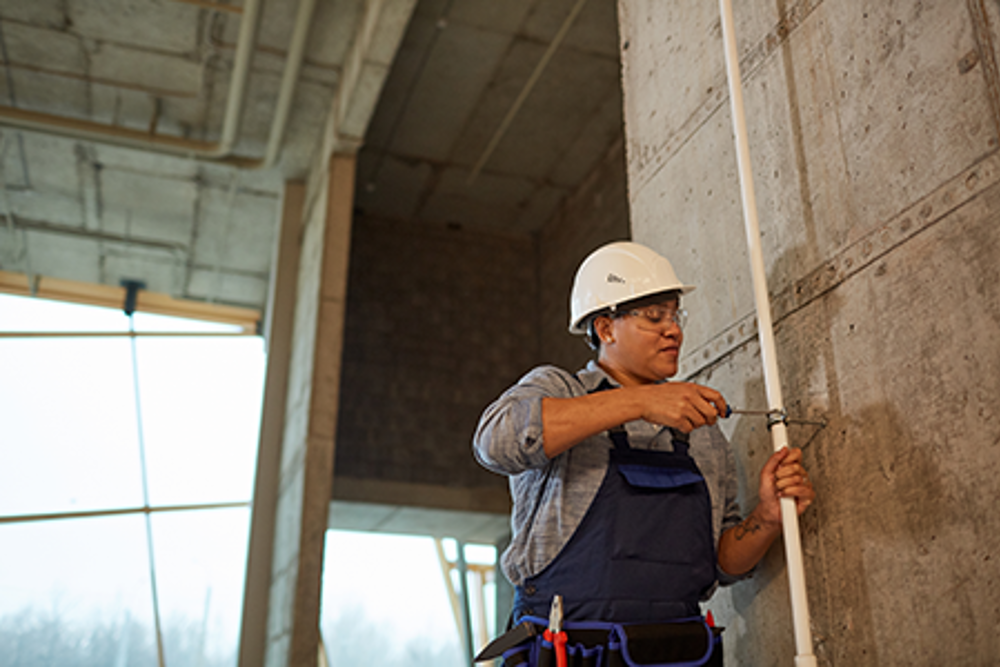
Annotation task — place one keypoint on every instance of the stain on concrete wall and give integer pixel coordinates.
(873, 136)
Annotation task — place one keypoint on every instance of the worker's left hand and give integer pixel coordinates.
(784, 476)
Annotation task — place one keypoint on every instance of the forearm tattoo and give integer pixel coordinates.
(746, 527)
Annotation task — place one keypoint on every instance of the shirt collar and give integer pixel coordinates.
(592, 376)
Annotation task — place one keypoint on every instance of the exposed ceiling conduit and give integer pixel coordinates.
(238, 83)
(120, 136)
(179, 146)
(289, 80)
(525, 91)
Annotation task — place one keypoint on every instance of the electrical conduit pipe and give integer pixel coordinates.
(789, 516)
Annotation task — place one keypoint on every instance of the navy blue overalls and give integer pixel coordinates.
(644, 550)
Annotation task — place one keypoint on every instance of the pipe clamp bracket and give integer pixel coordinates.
(776, 417)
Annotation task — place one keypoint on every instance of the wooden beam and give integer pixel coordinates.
(278, 335)
(125, 334)
(109, 296)
(58, 516)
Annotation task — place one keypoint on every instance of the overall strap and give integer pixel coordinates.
(680, 440)
(603, 386)
(618, 435)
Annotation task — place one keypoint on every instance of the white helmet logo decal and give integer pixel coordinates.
(612, 278)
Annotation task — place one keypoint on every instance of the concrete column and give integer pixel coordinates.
(873, 134)
(306, 468)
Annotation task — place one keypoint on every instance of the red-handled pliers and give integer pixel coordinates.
(555, 633)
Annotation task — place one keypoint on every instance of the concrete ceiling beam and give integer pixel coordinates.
(366, 69)
(174, 247)
(219, 151)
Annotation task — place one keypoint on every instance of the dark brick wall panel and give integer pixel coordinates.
(439, 322)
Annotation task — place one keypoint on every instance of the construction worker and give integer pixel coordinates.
(624, 489)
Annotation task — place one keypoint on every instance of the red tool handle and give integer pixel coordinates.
(558, 640)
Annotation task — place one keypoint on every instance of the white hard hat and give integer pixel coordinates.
(616, 273)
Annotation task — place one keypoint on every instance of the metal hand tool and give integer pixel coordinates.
(773, 416)
(555, 633)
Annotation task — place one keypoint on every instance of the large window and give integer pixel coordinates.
(126, 470)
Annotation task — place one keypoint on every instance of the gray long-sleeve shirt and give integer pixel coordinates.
(508, 441)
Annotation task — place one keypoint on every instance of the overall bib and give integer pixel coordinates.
(644, 550)
(632, 574)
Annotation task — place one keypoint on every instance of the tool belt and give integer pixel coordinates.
(684, 642)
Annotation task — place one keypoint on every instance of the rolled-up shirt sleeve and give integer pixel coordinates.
(509, 437)
(551, 497)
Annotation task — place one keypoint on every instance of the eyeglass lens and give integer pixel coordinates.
(659, 316)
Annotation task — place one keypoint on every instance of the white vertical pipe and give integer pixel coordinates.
(789, 516)
(289, 80)
(238, 81)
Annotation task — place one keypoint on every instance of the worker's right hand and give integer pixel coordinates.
(681, 405)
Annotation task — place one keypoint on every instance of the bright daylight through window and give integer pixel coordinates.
(88, 440)
(92, 436)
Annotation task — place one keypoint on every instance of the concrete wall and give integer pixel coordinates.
(873, 135)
